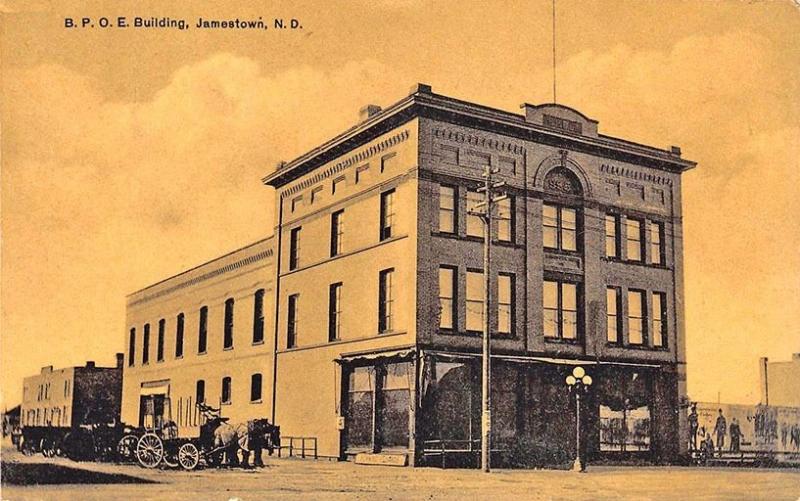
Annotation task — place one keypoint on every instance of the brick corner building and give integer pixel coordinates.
(375, 289)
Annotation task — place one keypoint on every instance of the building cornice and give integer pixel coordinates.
(155, 291)
(424, 103)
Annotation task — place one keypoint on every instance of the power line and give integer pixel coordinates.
(554, 51)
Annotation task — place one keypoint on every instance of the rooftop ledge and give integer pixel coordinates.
(547, 123)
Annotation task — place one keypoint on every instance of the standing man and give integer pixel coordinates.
(736, 435)
(693, 428)
(720, 429)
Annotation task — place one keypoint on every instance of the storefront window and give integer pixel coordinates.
(360, 407)
(378, 407)
(454, 415)
(394, 405)
(624, 413)
(505, 383)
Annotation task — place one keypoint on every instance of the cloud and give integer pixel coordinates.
(102, 197)
(728, 100)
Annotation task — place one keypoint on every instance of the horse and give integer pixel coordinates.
(251, 436)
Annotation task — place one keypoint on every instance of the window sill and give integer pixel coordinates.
(635, 263)
(178, 357)
(225, 403)
(561, 340)
(560, 252)
(259, 401)
(292, 349)
(202, 353)
(643, 347)
(495, 335)
(474, 238)
(229, 348)
(258, 343)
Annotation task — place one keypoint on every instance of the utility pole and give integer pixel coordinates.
(485, 210)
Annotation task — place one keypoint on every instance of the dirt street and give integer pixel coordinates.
(288, 479)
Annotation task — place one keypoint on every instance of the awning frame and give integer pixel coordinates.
(530, 358)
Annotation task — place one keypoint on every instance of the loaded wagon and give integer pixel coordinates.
(163, 442)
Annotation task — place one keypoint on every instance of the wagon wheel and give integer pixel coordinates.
(170, 456)
(149, 450)
(126, 448)
(188, 456)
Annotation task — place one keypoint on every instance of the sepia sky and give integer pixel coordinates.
(129, 155)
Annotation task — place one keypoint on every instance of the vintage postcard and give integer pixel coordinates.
(400, 249)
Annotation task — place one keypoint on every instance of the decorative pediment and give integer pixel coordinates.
(562, 181)
(560, 117)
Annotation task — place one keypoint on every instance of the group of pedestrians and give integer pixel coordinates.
(721, 430)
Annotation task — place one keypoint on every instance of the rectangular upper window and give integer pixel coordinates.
(447, 297)
(656, 242)
(505, 220)
(337, 232)
(659, 319)
(294, 248)
(387, 214)
(179, 335)
(202, 331)
(335, 311)
(560, 227)
(474, 221)
(146, 344)
(132, 347)
(474, 301)
(162, 325)
(386, 300)
(292, 322)
(613, 309)
(447, 209)
(635, 239)
(227, 338)
(560, 305)
(258, 316)
(637, 317)
(505, 303)
(612, 235)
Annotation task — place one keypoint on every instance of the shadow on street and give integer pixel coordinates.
(48, 474)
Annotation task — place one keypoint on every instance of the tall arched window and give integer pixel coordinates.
(228, 332)
(258, 317)
(225, 396)
(561, 210)
(255, 388)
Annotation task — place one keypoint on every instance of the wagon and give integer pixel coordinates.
(163, 442)
(86, 442)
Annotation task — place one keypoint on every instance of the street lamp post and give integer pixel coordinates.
(578, 382)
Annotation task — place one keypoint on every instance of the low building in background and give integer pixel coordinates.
(780, 382)
(73, 396)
